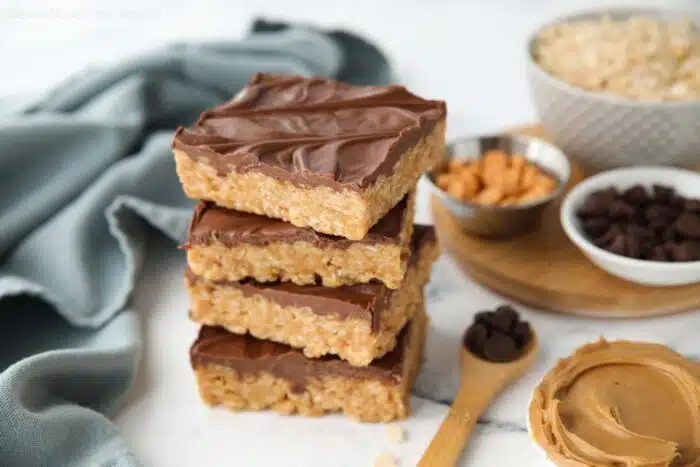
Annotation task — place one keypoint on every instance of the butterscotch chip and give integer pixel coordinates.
(496, 179)
(457, 188)
(444, 179)
(491, 195)
(471, 183)
(518, 161)
(545, 181)
(494, 165)
(386, 460)
(495, 158)
(509, 200)
(511, 181)
(456, 165)
(530, 174)
(534, 193)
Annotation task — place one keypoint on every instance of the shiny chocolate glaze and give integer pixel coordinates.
(311, 131)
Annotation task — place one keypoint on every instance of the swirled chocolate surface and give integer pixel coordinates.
(620, 404)
(311, 131)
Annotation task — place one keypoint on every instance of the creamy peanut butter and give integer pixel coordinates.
(619, 404)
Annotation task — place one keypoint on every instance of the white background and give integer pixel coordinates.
(470, 53)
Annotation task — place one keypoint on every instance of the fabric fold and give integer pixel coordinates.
(85, 174)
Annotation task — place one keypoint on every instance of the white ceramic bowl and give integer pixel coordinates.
(656, 273)
(603, 131)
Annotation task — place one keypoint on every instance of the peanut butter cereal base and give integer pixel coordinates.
(363, 400)
(302, 262)
(348, 214)
(351, 339)
(545, 270)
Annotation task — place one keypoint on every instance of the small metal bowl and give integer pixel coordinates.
(502, 221)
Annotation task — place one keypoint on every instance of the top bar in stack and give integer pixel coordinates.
(310, 151)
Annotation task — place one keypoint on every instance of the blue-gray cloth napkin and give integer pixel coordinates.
(84, 174)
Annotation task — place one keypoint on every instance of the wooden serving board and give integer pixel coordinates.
(545, 270)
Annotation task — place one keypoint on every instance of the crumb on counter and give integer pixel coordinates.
(386, 460)
(396, 433)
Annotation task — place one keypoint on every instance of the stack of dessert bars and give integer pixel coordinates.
(305, 269)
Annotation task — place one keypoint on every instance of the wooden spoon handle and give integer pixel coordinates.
(447, 445)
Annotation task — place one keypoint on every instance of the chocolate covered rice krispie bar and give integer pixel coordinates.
(241, 372)
(358, 323)
(228, 245)
(310, 151)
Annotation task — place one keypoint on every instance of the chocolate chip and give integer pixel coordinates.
(593, 207)
(694, 249)
(647, 250)
(663, 194)
(679, 252)
(634, 246)
(685, 251)
(669, 234)
(660, 225)
(482, 317)
(596, 226)
(621, 210)
(677, 203)
(636, 195)
(619, 245)
(608, 237)
(688, 225)
(498, 336)
(659, 213)
(522, 333)
(692, 205)
(501, 348)
(640, 232)
(476, 337)
(658, 253)
(504, 318)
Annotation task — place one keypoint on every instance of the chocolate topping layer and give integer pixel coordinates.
(231, 228)
(311, 131)
(364, 301)
(248, 355)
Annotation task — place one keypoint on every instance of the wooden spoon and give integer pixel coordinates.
(481, 380)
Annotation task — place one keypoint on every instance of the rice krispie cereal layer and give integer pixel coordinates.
(310, 151)
(230, 245)
(357, 323)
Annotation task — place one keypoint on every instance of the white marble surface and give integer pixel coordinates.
(467, 52)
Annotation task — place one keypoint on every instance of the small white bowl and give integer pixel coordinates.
(656, 273)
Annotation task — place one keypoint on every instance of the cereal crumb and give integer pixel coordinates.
(396, 433)
(386, 460)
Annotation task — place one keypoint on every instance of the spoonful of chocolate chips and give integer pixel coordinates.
(496, 350)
